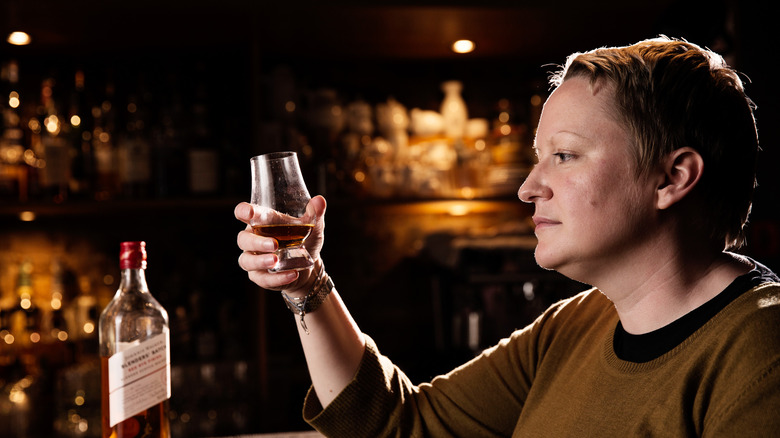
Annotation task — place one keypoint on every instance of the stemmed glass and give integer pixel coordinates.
(280, 196)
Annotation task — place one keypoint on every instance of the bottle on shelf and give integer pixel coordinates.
(80, 139)
(13, 175)
(6, 337)
(134, 153)
(203, 152)
(169, 163)
(453, 110)
(106, 184)
(58, 330)
(55, 175)
(134, 354)
(27, 329)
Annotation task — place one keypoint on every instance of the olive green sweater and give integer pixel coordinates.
(560, 377)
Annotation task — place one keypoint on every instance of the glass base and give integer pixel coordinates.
(292, 259)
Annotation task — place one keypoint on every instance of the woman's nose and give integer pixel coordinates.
(533, 188)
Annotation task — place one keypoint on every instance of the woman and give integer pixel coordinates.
(645, 173)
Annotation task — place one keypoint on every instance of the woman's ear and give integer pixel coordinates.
(682, 170)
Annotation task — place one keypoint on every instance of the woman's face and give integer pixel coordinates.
(591, 211)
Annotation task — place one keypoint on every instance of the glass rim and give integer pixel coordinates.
(275, 156)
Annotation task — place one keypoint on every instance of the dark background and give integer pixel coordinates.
(403, 298)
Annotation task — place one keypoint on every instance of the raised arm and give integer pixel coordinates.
(333, 345)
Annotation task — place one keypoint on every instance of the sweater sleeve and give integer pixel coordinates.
(482, 398)
(754, 411)
(749, 404)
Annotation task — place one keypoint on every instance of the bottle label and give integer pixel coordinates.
(204, 176)
(139, 377)
(134, 161)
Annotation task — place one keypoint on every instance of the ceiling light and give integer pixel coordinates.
(19, 38)
(463, 46)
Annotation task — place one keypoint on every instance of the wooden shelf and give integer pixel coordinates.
(114, 207)
(124, 206)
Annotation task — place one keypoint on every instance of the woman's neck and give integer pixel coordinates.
(654, 295)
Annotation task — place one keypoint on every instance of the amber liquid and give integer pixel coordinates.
(151, 423)
(288, 235)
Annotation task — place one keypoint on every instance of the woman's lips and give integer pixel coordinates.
(543, 222)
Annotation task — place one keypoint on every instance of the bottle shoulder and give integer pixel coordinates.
(130, 318)
(132, 304)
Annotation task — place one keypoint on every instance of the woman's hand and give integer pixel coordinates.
(258, 251)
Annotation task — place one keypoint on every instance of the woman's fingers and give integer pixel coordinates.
(249, 241)
(249, 261)
(244, 212)
(258, 251)
(316, 207)
(270, 281)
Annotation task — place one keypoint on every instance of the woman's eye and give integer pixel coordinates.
(563, 156)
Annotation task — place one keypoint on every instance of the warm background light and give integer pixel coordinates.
(27, 216)
(463, 46)
(13, 99)
(19, 38)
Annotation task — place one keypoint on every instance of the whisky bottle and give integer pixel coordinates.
(203, 153)
(134, 355)
(134, 151)
(13, 175)
(55, 173)
(106, 184)
(82, 166)
(28, 327)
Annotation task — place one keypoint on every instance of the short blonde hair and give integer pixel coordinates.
(671, 94)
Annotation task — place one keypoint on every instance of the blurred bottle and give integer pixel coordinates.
(106, 185)
(58, 330)
(80, 139)
(203, 151)
(169, 166)
(134, 152)
(134, 354)
(77, 388)
(5, 325)
(20, 397)
(510, 157)
(6, 338)
(53, 147)
(453, 110)
(86, 316)
(13, 175)
(25, 320)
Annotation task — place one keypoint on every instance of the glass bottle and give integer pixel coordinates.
(58, 330)
(134, 355)
(453, 110)
(134, 153)
(169, 164)
(106, 184)
(28, 330)
(55, 176)
(12, 169)
(203, 153)
(80, 139)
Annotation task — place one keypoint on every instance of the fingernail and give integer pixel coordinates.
(269, 245)
(270, 259)
(243, 210)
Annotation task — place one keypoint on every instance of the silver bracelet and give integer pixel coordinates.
(322, 287)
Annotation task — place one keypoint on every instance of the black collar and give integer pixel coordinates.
(649, 346)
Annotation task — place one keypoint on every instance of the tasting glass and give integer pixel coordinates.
(280, 197)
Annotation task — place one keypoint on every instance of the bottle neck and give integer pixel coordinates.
(133, 280)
